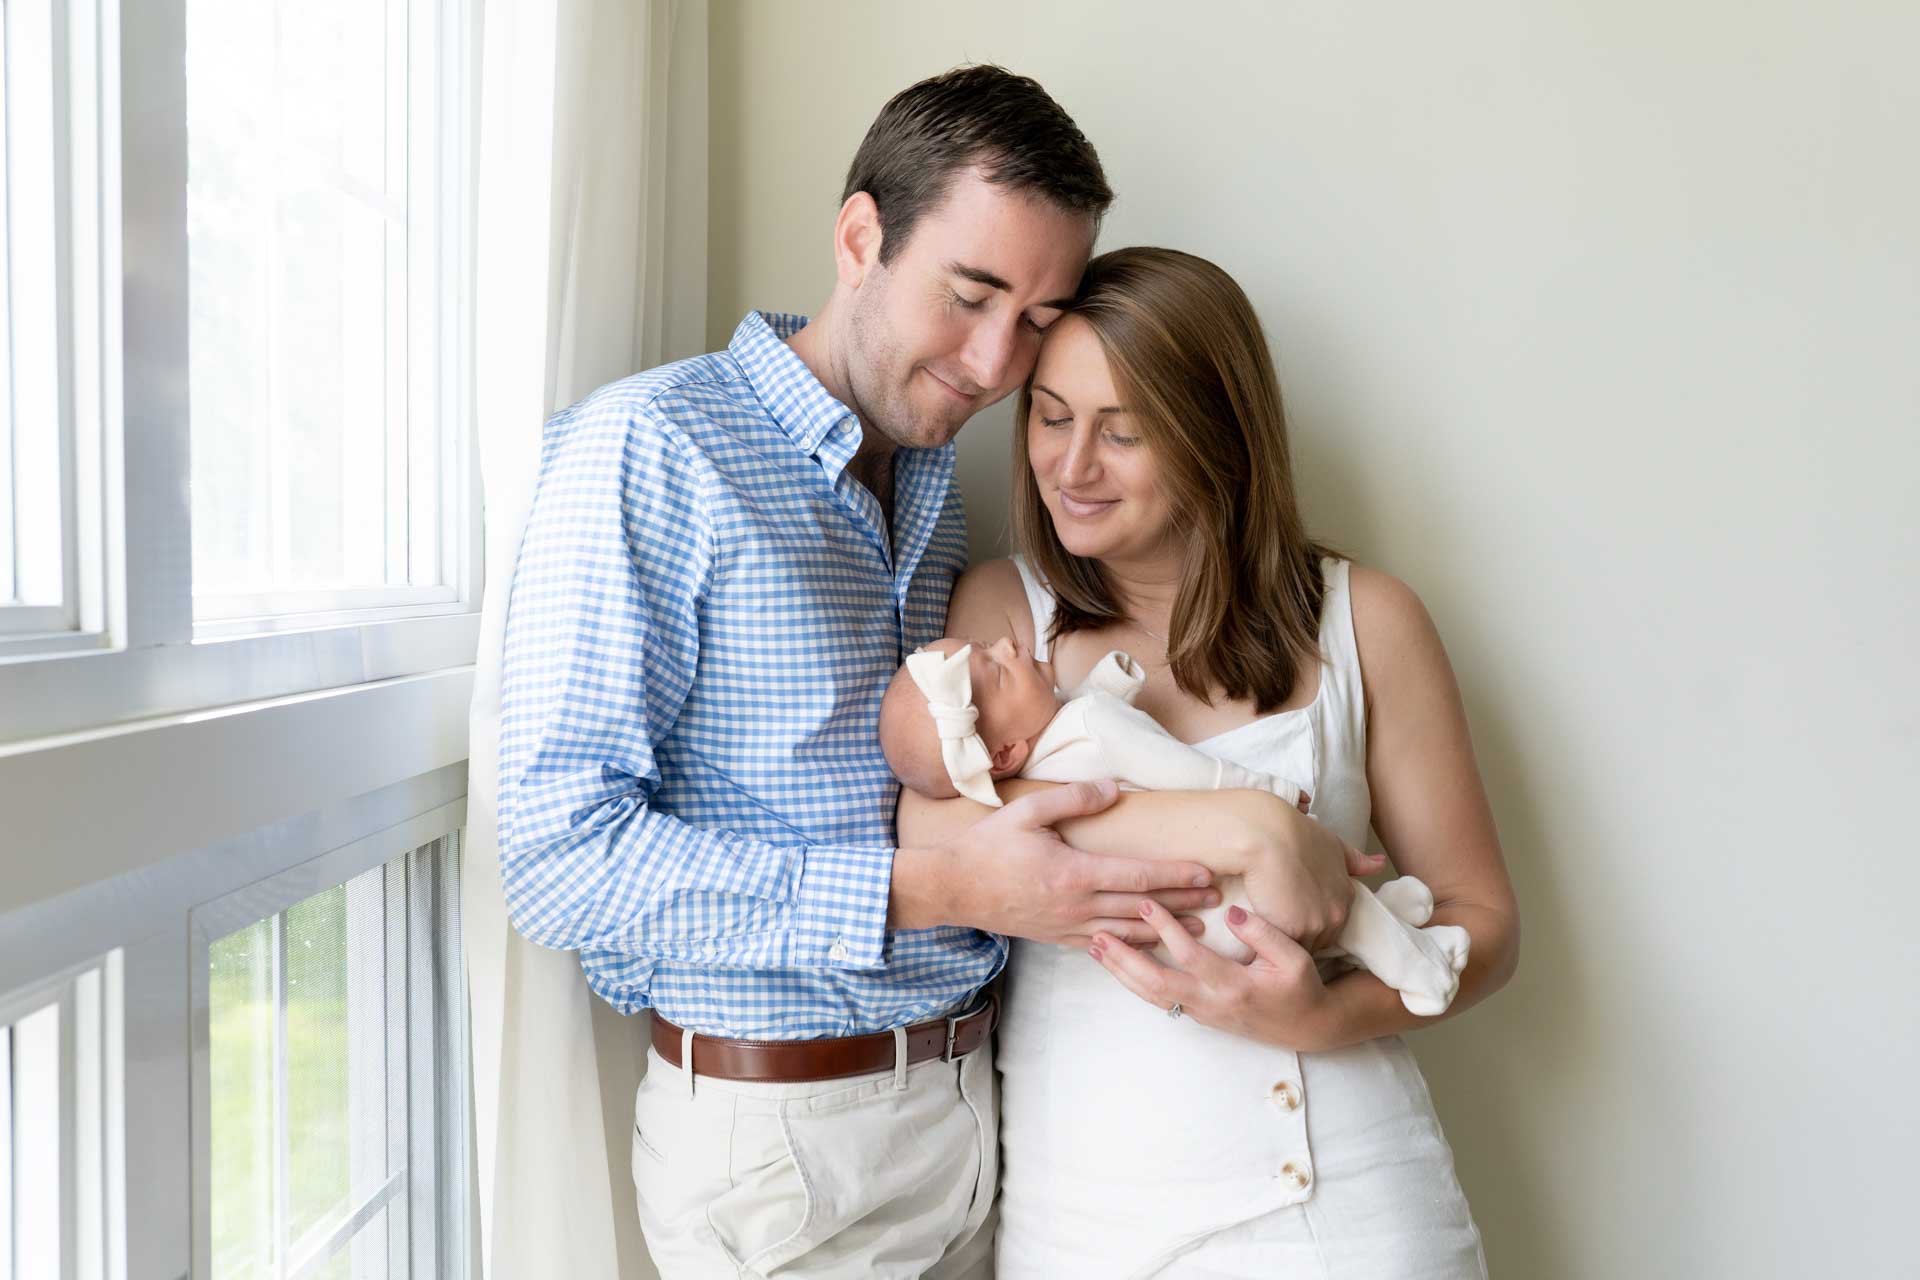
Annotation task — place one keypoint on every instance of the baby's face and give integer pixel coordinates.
(1014, 696)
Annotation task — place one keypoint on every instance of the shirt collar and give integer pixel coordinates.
(804, 408)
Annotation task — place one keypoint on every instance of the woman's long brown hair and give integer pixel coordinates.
(1189, 359)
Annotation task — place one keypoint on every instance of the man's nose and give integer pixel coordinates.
(991, 350)
(1003, 648)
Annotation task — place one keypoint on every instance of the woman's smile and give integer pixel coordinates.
(1086, 508)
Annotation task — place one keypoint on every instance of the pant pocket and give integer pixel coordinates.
(763, 1214)
(892, 1178)
(979, 1090)
(679, 1165)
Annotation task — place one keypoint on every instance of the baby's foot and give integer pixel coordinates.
(1409, 898)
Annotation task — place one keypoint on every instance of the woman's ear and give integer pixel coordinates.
(856, 239)
(1008, 758)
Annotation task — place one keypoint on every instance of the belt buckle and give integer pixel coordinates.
(954, 1022)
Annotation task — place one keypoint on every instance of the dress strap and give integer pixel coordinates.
(1342, 651)
(1040, 603)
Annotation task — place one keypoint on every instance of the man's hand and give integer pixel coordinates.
(1299, 876)
(1010, 874)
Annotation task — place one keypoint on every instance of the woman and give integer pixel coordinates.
(1277, 1126)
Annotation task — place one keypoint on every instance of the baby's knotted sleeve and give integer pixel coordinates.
(1142, 754)
(1116, 675)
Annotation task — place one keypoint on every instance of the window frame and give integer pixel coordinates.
(426, 1227)
(88, 1121)
(77, 318)
(106, 895)
(428, 319)
(142, 653)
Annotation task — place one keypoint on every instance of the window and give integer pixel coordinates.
(324, 468)
(333, 1079)
(56, 1125)
(50, 564)
(251, 222)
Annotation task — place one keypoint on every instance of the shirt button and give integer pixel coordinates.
(1286, 1096)
(1296, 1175)
(838, 951)
(846, 427)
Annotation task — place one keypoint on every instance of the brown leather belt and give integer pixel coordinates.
(798, 1061)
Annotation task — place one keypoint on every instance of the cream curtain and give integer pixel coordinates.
(590, 265)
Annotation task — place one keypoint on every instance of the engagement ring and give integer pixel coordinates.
(1175, 1011)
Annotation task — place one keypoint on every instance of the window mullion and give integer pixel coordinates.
(397, 129)
(282, 1116)
(278, 421)
(8, 584)
(6, 1152)
(391, 1250)
(155, 536)
(67, 1178)
(67, 527)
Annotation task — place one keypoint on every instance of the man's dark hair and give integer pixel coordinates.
(979, 115)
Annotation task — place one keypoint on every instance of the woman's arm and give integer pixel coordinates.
(1431, 813)
(1430, 808)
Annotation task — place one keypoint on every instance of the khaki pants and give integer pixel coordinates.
(872, 1176)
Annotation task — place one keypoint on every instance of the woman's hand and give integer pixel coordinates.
(1299, 874)
(1276, 998)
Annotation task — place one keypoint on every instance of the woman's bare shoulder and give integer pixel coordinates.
(1394, 633)
(990, 601)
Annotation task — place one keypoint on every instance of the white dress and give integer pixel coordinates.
(1133, 1144)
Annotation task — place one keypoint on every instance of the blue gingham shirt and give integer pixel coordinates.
(705, 614)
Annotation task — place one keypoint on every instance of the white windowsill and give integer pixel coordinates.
(46, 695)
(84, 807)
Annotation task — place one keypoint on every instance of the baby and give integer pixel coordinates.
(959, 715)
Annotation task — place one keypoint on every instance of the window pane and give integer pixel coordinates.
(299, 1075)
(240, 1062)
(32, 550)
(33, 1147)
(298, 239)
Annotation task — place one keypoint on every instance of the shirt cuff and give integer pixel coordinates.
(840, 913)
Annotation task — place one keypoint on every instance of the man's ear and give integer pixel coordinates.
(856, 239)
(1007, 759)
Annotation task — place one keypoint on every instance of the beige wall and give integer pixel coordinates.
(1597, 323)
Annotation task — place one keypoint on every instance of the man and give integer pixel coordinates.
(726, 560)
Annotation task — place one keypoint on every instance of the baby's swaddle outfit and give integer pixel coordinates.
(1099, 733)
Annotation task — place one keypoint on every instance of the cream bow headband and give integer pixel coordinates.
(948, 684)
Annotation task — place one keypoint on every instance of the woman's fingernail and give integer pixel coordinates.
(1201, 881)
(1236, 915)
(1212, 900)
(1146, 909)
(1094, 951)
